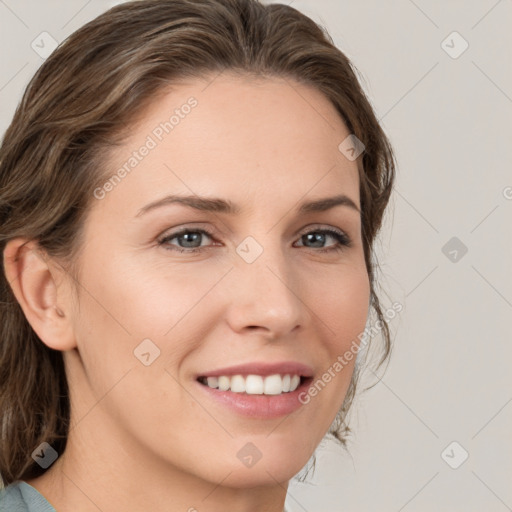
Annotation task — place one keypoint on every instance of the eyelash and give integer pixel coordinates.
(343, 240)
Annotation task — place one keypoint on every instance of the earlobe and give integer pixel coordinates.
(32, 280)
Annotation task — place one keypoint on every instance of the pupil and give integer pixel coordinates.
(190, 235)
(318, 236)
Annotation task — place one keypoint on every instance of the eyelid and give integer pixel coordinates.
(343, 240)
(319, 226)
(186, 228)
(213, 232)
(193, 226)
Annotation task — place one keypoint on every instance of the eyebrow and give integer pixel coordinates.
(218, 205)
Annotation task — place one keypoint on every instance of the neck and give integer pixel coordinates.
(93, 474)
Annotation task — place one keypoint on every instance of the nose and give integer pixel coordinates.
(265, 296)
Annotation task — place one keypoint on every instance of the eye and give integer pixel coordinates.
(189, 240)
(190, 237)
(318, 236)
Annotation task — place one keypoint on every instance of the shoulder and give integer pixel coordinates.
(22, 497)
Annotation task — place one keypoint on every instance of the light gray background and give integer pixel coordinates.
(449, 120)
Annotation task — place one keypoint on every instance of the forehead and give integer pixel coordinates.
(235, 136)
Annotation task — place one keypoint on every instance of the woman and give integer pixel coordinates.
(190, 193)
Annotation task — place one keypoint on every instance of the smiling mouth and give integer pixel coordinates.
(251, 384)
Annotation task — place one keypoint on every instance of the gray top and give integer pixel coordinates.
(22, 497)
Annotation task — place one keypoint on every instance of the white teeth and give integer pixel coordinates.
(286, 383)
(224, 383)
(273, 385)
(237, 384)
(255, 384)
(213, 382)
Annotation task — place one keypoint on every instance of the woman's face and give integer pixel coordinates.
(157, 315)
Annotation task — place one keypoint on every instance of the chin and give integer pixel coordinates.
(281, 465)
(264, 476)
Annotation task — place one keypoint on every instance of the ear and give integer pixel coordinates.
(32, 278)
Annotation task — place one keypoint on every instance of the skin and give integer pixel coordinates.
(143, 437)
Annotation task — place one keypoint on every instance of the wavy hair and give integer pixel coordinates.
(77, 106)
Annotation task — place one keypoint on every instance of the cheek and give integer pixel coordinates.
(127, 302)
(341, 306)
(130, 299)
(341, 301)
(147, 298)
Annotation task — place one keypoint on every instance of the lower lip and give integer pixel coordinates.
(258, 406)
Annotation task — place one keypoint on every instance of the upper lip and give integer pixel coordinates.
(263, 369)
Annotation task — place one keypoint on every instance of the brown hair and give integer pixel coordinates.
(75, 108)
